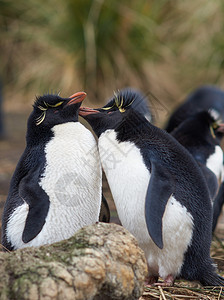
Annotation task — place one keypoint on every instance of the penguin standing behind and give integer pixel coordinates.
(56, 187)
(160, 193)
(203, 98)
(201, 135)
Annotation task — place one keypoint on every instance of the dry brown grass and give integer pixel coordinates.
(182, 290)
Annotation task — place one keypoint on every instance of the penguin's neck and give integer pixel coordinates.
(70, 129)
(36, 137)
(133, 126)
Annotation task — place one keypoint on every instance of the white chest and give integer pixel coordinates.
(73, 181)
(128, 178)
(215, 163)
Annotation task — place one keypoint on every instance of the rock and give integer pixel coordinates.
(100, 262)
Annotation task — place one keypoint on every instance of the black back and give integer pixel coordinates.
(187, 183)
(155, 144)
(29, 168)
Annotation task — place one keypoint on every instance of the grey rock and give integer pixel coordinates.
(100, 262)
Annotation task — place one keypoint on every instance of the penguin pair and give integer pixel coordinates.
(57, 186)
(200, 102)
(160, 193)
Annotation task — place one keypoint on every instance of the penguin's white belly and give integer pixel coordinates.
(73, 181)
(215, 163)
(128, 178)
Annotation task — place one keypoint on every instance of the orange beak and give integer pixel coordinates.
(84, 111)
(76, 98)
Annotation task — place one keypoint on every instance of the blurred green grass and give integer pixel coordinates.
(166, 47)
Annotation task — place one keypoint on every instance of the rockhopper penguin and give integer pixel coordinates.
(160, 193)
(56, 188)
(201, 135)
(204, 98)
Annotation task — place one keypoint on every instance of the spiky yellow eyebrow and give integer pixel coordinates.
(107, 108)
(42, 108)
(55, 105)
(212, 132)
(49, 105)
(215, 124)
(119, 101)
(41, 118)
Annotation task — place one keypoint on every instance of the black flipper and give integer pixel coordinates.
(159, 191)
(38, 201)
(104, 211)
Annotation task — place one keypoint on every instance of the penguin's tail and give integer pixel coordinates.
(212, 279)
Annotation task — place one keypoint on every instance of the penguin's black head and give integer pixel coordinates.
(114, 112)
(209, 119)
(206, 124)
(216, 125)
(50, 110)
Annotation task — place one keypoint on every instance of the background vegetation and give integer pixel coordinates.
(168, 47)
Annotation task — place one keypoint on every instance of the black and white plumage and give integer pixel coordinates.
(159, 191)
(203, 98)
(56, 187)
(201, 135)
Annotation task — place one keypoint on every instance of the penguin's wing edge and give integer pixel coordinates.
(36, 198)
(160, 188)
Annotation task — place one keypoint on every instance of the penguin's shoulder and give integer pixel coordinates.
(31, 159)
(158, 145)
